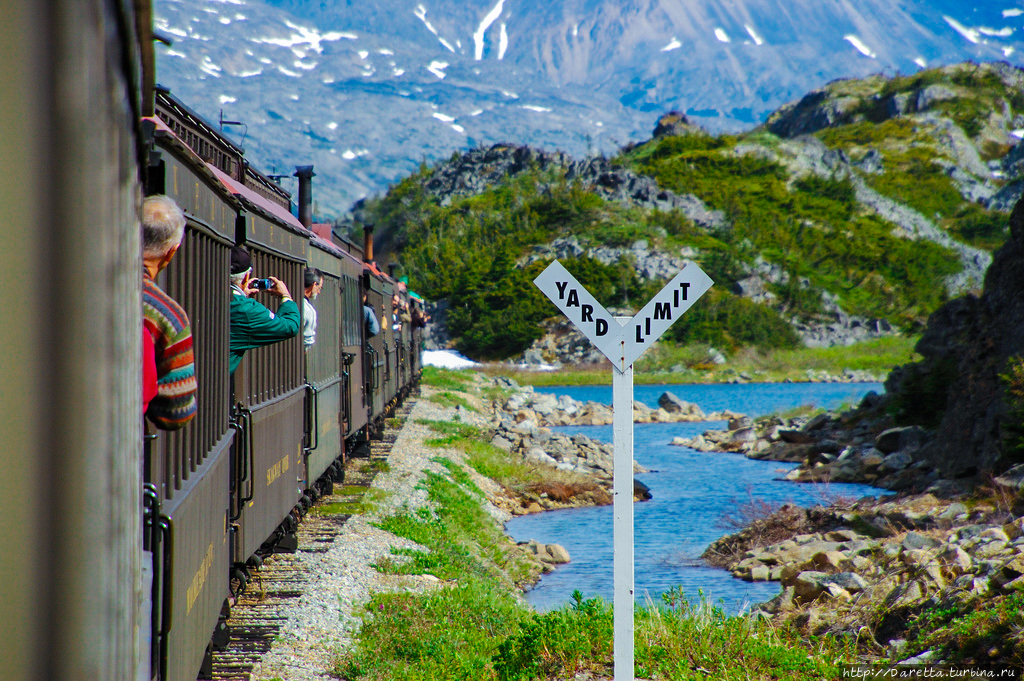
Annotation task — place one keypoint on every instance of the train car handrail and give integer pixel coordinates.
(166, 528)
(312, 418)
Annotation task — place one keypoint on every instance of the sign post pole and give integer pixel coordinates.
(622, 496)
(622, 340)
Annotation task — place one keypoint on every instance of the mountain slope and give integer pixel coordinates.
(365, 91)
(868, 224)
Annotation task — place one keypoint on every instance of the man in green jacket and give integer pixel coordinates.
(252, 324)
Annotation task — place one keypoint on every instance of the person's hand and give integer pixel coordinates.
(279, 289)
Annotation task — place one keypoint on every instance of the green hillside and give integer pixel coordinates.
(871, 194)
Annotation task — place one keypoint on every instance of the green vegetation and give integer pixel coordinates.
(450, 399)
(973, 631)
(446, 379)
(474, 627)
(473, 250)
(813, 228)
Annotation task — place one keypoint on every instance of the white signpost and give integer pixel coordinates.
(623, 340)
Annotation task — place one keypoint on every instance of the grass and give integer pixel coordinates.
(972, 632)
(446, 379)
(451, 399)
(474, 626)
(655, 368)
(367, 501)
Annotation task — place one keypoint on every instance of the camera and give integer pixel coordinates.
(262, 284)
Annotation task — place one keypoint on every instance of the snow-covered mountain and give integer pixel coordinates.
(366, 91)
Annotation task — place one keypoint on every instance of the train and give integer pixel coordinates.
(126, 545)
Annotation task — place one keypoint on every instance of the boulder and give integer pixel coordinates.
(557, 553)
(641, 492)
(675, 405)
(809, 584)
(898, 439)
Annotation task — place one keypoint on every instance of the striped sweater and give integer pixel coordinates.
(175, 401)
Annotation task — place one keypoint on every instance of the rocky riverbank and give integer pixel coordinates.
(892, 573)
(855, 446)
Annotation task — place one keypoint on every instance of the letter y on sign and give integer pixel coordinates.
(579, 306)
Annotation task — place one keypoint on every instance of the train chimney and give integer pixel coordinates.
(305, 175)
(368, 243)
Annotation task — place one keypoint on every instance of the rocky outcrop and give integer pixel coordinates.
(965, 348)
(544, 409)
(474, 171)
(831, 449)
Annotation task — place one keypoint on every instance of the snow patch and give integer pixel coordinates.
(421, 14)
(674, 44)
(328, 80)
(1018, 133)
(921, 62)
(437, 68)
(1007, 51)
(502, 42)
(861, 47)
(510, 95)
(476, 112)
(350, 154)
(447, 359)
(209, 67)
(1004, 32)
(722, 35)
(758, 40)
(339, 35)
(576, 30)
(287, 72)
(969, 33)
(225, 20)
(443, 117)
(478, 35)
(332, 126)
(386, 51)
(534, 107)
(304, 66)
(1013, 12)
(397, 72)
(458, 128)
(227, 99)
(239, 17)
(173, 53)
(295, 98)
(446, 44)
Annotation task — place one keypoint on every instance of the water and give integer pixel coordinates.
(693, 493)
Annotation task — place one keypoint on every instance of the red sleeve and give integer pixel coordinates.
(149, 387)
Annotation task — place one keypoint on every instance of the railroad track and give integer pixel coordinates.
(262, 610)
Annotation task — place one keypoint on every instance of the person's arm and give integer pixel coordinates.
(372, 325)
(175, 401)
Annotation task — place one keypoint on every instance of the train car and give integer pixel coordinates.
(325, 371)
(187, 472)
(70, 492)
(269, 384)
(355, 397)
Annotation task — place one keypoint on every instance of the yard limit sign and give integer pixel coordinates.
(623, 340)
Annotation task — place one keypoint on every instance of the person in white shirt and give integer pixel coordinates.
(314, 282)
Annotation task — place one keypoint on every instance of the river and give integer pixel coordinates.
(694, 494)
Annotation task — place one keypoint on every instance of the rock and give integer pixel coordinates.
(917, 541)
(539, 455)
(897, 439)
(850, 581)
(557, 554)
(641, 492)
(828, 561)
(809, 584)
(1012, 478)
(675, 405)
(534, 507)
(760, 574)
(817, 423)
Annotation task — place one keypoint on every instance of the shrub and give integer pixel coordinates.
(728, 321)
